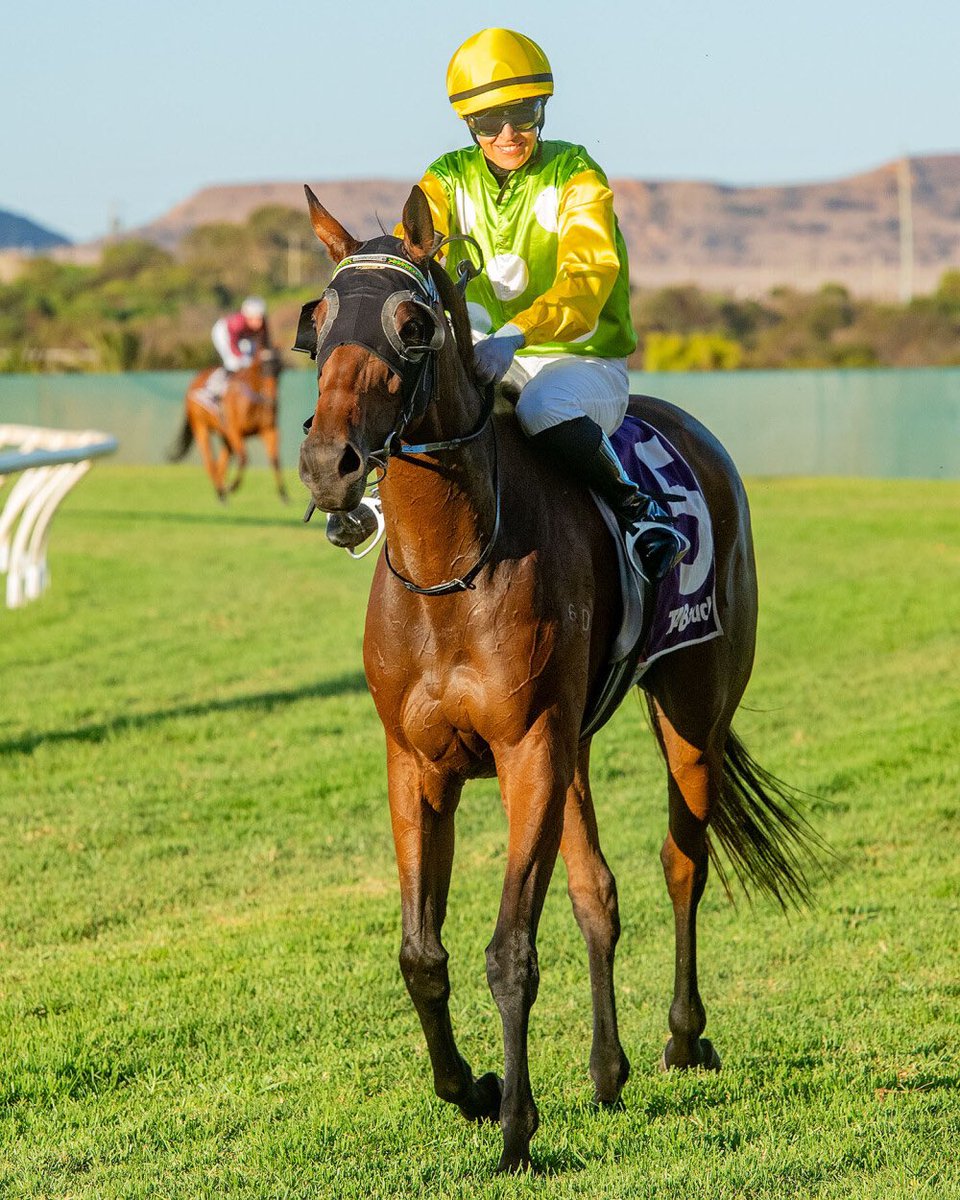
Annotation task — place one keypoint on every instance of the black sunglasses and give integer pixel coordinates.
(521, 117)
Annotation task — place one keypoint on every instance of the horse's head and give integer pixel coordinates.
(373, 333)
(268, 366)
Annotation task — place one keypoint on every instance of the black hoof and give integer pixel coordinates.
(513, 1162)
(484, 1103)
(607, 1092)
(706, 1059)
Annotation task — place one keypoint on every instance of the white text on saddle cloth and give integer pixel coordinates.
(685, 610)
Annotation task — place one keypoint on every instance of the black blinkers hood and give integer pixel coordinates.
(362, 302)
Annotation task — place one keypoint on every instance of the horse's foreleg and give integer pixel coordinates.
(270, 441)
(422, 812)
(694, 780)
(593, 893)
(238, 447)
(533, 782)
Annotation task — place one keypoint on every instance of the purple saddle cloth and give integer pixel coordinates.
(685, 609)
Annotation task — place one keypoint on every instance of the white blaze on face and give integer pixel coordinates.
(508, 275)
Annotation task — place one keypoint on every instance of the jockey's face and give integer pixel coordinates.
(254, 323)
(510, 149)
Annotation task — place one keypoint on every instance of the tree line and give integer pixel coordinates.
(145, 308)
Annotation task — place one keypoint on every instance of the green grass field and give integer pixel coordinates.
(199, 918)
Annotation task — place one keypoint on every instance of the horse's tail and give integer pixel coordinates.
(760, 824)
(184, 441)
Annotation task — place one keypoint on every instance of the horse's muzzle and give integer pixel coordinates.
(335, 474)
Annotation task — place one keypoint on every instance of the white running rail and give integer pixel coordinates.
(49, 462)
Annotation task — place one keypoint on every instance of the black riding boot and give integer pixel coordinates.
(584, 449)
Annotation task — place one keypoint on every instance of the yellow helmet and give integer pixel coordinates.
(496, 67)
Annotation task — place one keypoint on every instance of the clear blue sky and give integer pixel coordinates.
(119, 108)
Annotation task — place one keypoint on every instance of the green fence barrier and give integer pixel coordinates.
(902, 423)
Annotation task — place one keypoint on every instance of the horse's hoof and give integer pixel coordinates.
(707, 1060)
(284, 498)
(512, 1162)
(608, 1085)
(485, 1101)
(222, 497)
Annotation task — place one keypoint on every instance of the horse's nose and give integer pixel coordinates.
(334, 473)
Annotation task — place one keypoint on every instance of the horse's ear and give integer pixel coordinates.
(328, 229)
(418, 234)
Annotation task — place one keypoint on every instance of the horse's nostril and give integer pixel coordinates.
(349, 462)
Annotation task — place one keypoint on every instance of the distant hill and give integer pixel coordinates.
(20, 233)
(740, 239)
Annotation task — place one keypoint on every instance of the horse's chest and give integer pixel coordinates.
(446, 722)
(452, 707)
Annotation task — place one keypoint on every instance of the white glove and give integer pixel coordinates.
(494, 355)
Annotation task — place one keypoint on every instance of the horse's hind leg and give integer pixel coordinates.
(422, 809)
(270, 441)
(593, 893)
(695, 779)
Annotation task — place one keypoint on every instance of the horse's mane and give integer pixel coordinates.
(456, 307)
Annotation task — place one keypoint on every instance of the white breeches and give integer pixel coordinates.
(566, 386)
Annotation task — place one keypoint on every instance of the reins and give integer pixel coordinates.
(418, 398)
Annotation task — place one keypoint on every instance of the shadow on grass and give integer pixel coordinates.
(353, 681)
(218, 515)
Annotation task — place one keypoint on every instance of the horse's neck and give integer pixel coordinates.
(441, 515)
(255, 380)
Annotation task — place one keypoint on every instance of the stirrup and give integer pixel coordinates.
(373, 503)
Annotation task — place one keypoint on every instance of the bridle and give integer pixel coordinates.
(416, 366)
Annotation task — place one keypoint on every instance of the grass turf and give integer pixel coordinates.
(199, 918)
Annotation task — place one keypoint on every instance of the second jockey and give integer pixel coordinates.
(237, 338)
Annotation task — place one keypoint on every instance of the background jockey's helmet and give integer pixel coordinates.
(254, 307)
(496, 67)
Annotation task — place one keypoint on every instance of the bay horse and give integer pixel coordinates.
(491, 613)
(247, 408)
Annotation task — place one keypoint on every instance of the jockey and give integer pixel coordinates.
(237, 338)
(555, 296)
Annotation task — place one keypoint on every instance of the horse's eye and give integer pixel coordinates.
(412, 332)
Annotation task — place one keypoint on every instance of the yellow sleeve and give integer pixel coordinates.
(587, 265)
(432, 188)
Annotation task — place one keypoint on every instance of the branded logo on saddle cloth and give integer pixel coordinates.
(685, 607)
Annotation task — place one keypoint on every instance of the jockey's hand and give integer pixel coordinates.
(494, 355)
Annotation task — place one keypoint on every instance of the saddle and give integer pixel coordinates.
(621, 671)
